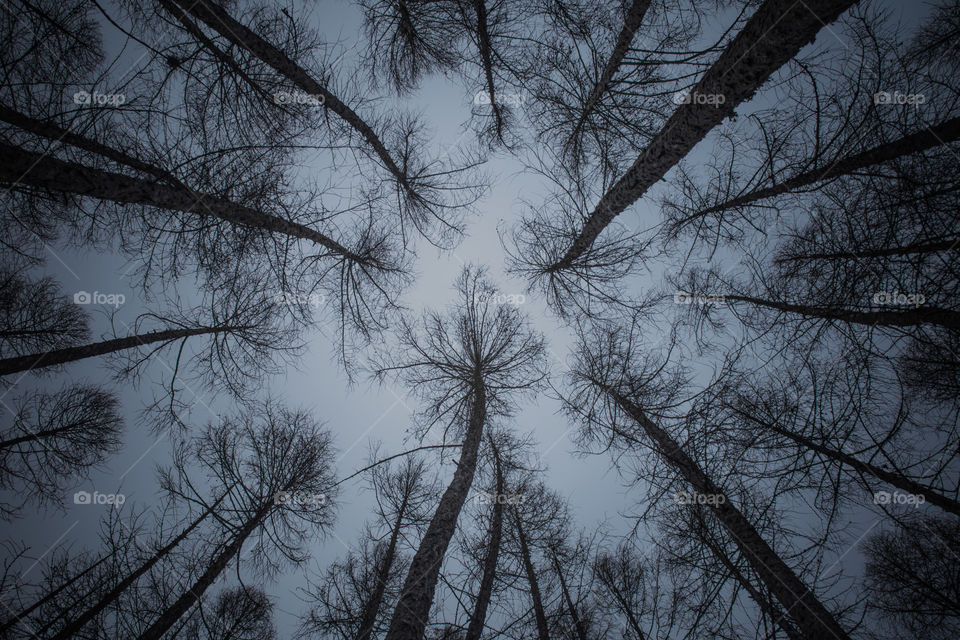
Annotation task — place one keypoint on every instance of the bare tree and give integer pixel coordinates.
(37, 316)
(466, 365)
(238, 613)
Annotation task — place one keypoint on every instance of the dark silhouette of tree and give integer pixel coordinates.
(53, 437)
(466, 365)
(238, 613)
(36, 316)
(911, 578)
(612, 389)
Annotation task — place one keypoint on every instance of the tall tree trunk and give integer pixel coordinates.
(57, 133)
(931, 137)
(369, 617)
(74, 627)
(72, 354)
(908, 318)
(894, 479)
(192, 595)
(774, 34)
(611, 584)
(769, 608)
(413, 608)
(631, 24)
(494, 535)
(216, 18)
(577, 622)
(486, 56)
(813, 619)
(543, 632)
(916, 248)
(18, 166)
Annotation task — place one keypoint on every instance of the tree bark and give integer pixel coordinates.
(223, 23)
(929, 138)
(894, 479)
(192, 595)
(631, 24)
(812, 618)
(543, 632)
(410, 615)
(909, 318)
(71, 354)
(369, 617)
(774, 34)
(494, 535)
(483, 44)
(74, 627)
(18, 166)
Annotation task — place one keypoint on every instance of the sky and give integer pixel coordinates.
(360, 414)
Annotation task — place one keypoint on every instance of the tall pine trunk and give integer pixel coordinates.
(486, 57)
(894, 479)
(368, 618)
(192, 595)
(577, 622)
(77, 624)
(217, 19)
(774, 34)
(931, 137)
(494, 536)
(543, 632)
(18, 166)
(72, 354)
(413, 608)
(812, 618)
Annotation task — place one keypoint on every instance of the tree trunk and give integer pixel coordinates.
(774, 34)
(483, 44)
(631, 24)
(812, 618)
(18, 166)
(908, 318)
(894, 479)
(72, 354)
(577, 622)
(74, 627)
(410, 615)
(494, 535)
(543, 632)
(929, 138)
(192, 595)
(624, 604)
(916, 248)
(369, 617)
(223, 23)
